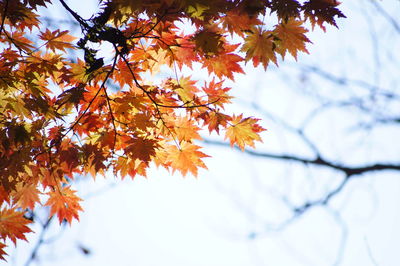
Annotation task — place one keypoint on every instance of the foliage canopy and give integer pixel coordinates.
(62, 115)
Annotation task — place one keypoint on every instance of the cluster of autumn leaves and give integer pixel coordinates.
(62, 116)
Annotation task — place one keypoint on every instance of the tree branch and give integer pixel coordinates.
(39, 243)
(78, 18)
(318, 161)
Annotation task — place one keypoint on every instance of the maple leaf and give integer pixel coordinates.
(142, 121)
(47, 178)
(320, 11)
(69, 156)
(132, 167)
(291, 38)
(35, 3)
(216, 94)
(224, 65)
(124, 74)
(259, 47)
(77, 73)
(183, 52)
(186, 158)
(64, 203)
(26, 195)
(238, 23)
(285, 9)
(197, 10)
(215, 120)
(243, 131)
(13, 225)
(128, 104)
(70, 97)
(57, 40)
(95, 159)
(18, 38)
(19, 15)
(208, 41)
(91, 122)
(252, 8)
(184, 129)
(141, 148)
(4, 195)
(2, 252)
(185, 88)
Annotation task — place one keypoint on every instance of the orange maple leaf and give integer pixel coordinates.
(2, 252)
(259, 46)
(224, 65)
(237, 22)
(124, 75)
(141, 148)
(143, 121)
(13, 225)
(4, 195)
(243, 131)
(216, 94)
(64, 203)
(57, 40)
(18, 38)
(291, 38)
(26, 195)
(183, 52)
(215, 120)
(184, 129)
(186, 158)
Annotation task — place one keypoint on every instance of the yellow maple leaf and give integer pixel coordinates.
(132, 167)
(197, 10)
(185, 88)
(215, 120)
(186, 158)
(243, 131)
(259, 46)
(185, 130)
(291, 37)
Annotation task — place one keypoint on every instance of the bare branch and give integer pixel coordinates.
(39, 243)
(318, 161)
(386, 15)
(80, 20)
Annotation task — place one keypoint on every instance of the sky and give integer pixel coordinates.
(229, 215)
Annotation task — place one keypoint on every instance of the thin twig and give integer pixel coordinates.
(80, 20)
(4, 17)
(39, 243)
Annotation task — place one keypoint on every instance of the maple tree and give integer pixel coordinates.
(62, 116)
